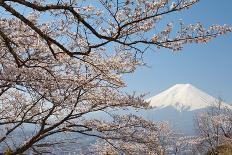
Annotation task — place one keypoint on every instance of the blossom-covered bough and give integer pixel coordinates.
(62, 60)
(215, 129)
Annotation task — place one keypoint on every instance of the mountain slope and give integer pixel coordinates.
(183, 97)
(179, 105)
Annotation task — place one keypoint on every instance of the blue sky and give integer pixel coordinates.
(206, 66)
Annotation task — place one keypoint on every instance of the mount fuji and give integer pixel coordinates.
(183, 97)
(179, 105)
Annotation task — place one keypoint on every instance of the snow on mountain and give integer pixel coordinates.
(183, 97)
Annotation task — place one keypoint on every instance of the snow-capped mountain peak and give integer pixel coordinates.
(183, 97)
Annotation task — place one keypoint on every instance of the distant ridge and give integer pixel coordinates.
(183, 97)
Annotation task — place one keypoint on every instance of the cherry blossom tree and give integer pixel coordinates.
(161, 139)
(215, 129)
(63, 60)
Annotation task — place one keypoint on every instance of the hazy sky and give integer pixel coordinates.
(206, 66)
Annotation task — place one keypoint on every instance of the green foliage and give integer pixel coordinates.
(225, 149)
(8, 152)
